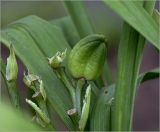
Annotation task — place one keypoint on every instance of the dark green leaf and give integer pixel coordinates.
(153, 74)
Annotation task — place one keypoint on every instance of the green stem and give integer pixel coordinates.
(129, 57)
(79, 17)
(149, 7)
(63, 77)
(43, 107)
(107, 74)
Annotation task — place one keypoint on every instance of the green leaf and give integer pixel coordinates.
(68, 29)
(78, 15)
(153, 74)
(12, 120)
(4, 86)
(156, 17)
(3, 67)
(100, 116)
(136, 16)
(34, 40)
(129, 59)
(101, 113)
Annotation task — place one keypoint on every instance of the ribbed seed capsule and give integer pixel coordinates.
(87, 57)
(12, 67)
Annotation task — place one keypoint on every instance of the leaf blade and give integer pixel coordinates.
(35, 59)
(133, 14)
(100, 117)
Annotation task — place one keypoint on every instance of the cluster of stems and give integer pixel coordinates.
(42, 116)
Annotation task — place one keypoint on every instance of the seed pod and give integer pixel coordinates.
(87, 58)
(12, 67)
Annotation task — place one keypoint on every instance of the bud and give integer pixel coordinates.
(57, 59)
(30, 79)
(87, 58)
(36, 84)
(12, 67)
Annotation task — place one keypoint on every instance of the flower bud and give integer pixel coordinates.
(36, 84)
(30, 79)
(87, 58)
(12, 67)
(57, 59)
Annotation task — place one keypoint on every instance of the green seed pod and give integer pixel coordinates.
(87, 58)
(12, 67)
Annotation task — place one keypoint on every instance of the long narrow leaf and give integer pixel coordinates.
(80, 19)
(138, 18)
(129, 57)
(153, 74)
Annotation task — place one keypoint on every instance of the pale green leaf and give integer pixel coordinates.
(12, 120)
(136, 16)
